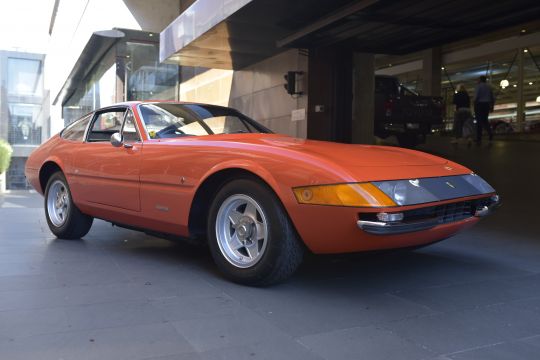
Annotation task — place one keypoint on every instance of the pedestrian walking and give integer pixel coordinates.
(462, 114)
(484, 102)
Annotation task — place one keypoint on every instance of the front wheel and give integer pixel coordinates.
(251, 238)
(65, 220)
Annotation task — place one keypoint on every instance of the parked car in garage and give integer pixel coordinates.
(504, 119)
(405, 114)
(260, 200)
(509, 125)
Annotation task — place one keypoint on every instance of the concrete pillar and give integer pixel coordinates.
(432, 60)
(520, 97)
(363, 99)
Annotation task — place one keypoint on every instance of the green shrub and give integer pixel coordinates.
(5, 155)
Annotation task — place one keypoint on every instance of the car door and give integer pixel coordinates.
(105, 174)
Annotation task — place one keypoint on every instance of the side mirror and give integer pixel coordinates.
(116, 139)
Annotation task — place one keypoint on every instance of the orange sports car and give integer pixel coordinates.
(260, 200)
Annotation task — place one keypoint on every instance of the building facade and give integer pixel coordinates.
(236, 53)
(24, 109)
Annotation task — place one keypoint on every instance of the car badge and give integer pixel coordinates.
(449, 184)
(449, 168)
(415, 182)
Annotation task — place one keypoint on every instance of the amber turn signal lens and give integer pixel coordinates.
(358, 194)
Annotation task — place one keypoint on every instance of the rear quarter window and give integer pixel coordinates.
(76, 131)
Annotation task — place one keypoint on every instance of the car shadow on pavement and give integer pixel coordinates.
(390, 271)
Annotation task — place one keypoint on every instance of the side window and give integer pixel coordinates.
(129, 130)
(75, 131)
(105, 124)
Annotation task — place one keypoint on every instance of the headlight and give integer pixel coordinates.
(419, 191)
(406, 192)
(357, 194)
(394, 192)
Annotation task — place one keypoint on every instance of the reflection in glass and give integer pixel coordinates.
(146, 77)
(168, 120)
(24, 77)
(24, 126)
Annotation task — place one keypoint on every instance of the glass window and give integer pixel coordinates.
(106, 124)
(227, 125)
(15, 179)
(24, 125)
(129, 131)
(146, 77)
(96, 91)
(466, 73)
(168, 120)
(75, 131)
(24, 77)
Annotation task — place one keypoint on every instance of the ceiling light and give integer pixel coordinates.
(442, 67)
(530, 82)
(504, 83)
(538, 99)
(523, 31)
(515, 85)
(525, 50)
(150, 34)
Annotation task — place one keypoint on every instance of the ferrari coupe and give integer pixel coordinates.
(259, 200)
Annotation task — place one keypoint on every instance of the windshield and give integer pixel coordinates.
(167, 120)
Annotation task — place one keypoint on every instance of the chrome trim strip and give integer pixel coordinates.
(385, 228)
(398, 227)
(363, 223)
(484, 211)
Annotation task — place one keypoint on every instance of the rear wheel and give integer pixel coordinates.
(250, 236)
(502, 128)
(65, 220)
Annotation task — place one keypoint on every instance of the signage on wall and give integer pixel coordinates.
(298, 115)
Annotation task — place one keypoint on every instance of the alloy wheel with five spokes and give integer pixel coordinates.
(250, 235)
(58, 203)
(241, 230)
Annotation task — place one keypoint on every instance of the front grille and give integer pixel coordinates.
(446, 213)
(441, 214)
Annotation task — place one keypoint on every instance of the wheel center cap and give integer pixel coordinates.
(244, 228)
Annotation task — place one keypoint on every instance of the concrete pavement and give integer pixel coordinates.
(119, 294)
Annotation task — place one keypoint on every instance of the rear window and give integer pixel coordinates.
(76, 130)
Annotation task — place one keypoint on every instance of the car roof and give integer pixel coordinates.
(138, 102)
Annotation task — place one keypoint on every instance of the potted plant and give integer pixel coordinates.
(5, 158)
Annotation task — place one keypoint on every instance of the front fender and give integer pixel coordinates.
(249, 166)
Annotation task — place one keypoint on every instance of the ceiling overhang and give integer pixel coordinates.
(96, 47)
(232, 34)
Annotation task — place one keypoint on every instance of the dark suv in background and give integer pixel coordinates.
(405, 114)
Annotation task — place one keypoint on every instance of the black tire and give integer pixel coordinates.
(284, 251)
(502, 128)
(76, 224)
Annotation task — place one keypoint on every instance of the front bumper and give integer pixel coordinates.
(429, 217)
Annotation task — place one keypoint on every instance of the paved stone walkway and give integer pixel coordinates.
(119, 294)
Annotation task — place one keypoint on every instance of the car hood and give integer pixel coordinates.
(357, 155)
(327, 162)
(347, 155)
